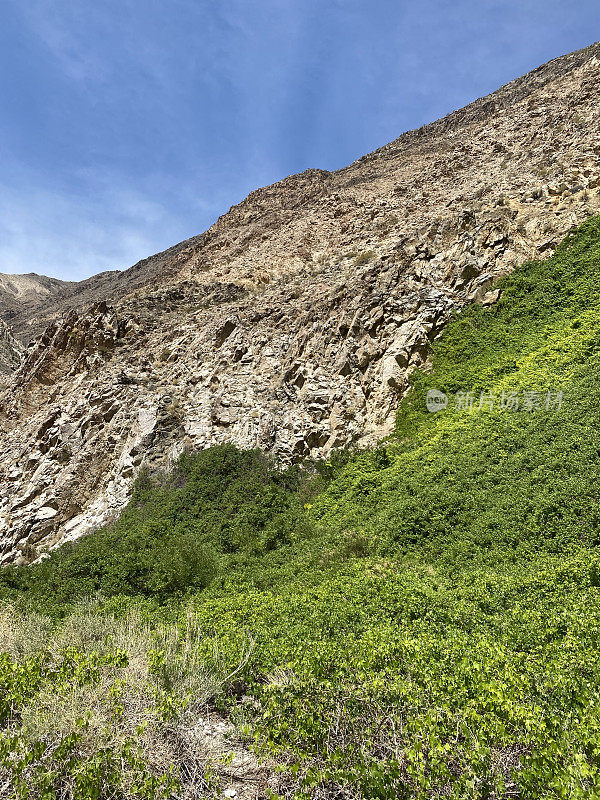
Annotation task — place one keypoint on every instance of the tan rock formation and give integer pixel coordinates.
(10, 351)
(294, 322)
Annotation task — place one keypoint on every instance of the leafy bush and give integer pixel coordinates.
(81, 718)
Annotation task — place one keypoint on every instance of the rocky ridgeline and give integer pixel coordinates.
(294, 323)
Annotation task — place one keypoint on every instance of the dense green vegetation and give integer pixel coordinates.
(217, 510)
(418, 621)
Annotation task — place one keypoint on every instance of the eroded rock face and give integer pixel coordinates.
(294, 322)
(10, 350)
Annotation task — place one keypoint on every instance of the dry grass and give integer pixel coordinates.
(160, 696)
(22, 635)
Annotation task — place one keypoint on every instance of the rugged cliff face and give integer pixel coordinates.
(294, 322)
(10, 351)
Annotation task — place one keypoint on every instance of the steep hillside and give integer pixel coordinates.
(294, 323)
(416, 621)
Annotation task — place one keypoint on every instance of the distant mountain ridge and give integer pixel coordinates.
(23, 296)
(30, 302)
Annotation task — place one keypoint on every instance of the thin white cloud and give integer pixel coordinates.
(56, 24)
(72, 237)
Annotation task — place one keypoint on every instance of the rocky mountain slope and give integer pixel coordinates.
(294, 322)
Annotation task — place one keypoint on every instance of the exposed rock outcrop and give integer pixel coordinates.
(294, 322)
(10, 351)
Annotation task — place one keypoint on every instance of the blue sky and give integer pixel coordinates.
(129, 125)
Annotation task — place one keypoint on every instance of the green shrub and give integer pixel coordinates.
(364, 258)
